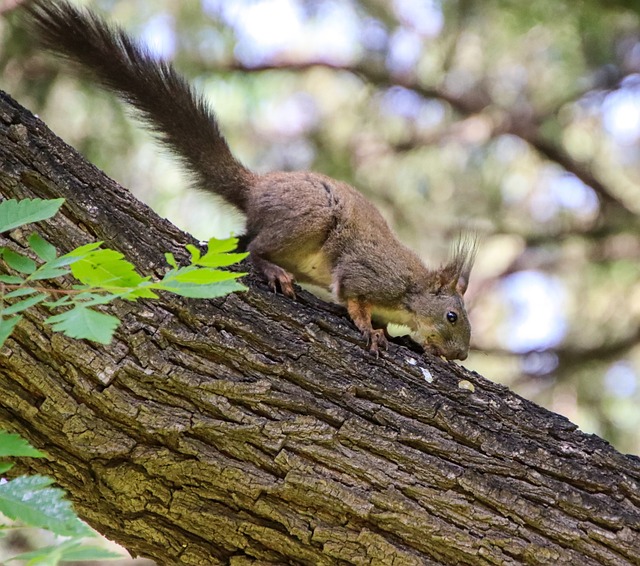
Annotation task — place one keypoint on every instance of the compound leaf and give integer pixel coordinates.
(203, 290)
(217, 255)
(14, 445)
(14, 213)
(11, 279)
(46, 271)
(106, 268)
(201, 276)
(216, 246)
(18, 262)
(6, 327)
(74, 255)
(171, 260)
(5, 467)
(24, 304)
(82, 322)
(44, 250)
(20, 292)
(195, 253)
(29, 499)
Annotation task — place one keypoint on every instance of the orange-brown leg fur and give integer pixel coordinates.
(360, 313)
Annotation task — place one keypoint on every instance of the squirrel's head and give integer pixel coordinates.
(441, 324)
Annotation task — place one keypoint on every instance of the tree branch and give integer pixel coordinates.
(255, 428)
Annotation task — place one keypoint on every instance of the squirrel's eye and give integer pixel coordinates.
(452, 317)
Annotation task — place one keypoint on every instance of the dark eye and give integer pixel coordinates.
(452, 317)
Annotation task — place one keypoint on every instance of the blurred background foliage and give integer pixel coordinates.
(520, 121)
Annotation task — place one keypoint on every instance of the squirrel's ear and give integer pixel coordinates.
(463, 283)
(446, 279)
(454, 276)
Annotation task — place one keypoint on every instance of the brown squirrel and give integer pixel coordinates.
(300, 226)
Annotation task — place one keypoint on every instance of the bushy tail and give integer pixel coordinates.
(164, 99)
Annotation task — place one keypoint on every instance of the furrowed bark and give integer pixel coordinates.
(258, 429)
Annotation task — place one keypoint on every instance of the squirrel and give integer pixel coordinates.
(301, 226)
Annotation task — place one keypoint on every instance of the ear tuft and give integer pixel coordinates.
(453, 277)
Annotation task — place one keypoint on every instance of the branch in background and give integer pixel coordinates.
(468, 104)
(576, 357)
(612, 205)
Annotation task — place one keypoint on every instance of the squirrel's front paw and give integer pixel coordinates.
(376, 341)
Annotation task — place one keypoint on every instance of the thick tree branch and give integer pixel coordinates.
(257, 428)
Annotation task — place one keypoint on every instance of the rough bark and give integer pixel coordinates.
(255, 428)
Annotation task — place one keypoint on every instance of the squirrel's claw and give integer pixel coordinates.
(376, 341)
(285, 280)
(277, 278)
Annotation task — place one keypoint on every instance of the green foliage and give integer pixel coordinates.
(14, 445)
(6, 327)
(104, 274)
(15, 213)
(83, 322)
(107, 269)
(32, 502)
(44, 250)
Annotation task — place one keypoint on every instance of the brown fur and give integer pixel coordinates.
(301, 226)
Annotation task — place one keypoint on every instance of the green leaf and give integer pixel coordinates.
(203, 291)
(60, 302)
(85, 323)
(216, 246)
(24, 304)
(11, 279)
(44, 250)
(204, 283)
(221, 260)
(106, 268)
(14, 213)
(5, 467)
(46, 271)
(84, 250)
(29, 499)
(171, 260)
(90, 299)
(202, 276)
(74, 255)
(19, 262)
(14, 445)
(21, 292)
(141, 292)
(6, 327)
(195, 253)
(217, 255)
